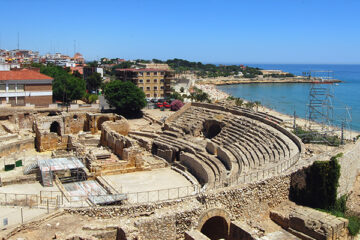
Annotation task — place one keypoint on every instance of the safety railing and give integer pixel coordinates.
(57, 199)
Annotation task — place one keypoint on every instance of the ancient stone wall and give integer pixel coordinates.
(115, 141)
(17, 146)
(50, 141)
(95, 120)
(245, 203)
(74, 122)
(350, 169)
(20, 119)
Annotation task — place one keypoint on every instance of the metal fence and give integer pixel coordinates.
(55, 199)
(45, 199)
(162, 194)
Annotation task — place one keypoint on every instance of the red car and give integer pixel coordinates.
(166, 105)
(159, 104)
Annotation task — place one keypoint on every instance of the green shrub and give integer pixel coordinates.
(340, 204)
(322, 181)
(354, 225)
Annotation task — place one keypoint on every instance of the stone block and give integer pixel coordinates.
(211, 147)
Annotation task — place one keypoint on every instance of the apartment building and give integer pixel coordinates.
(19, 87)
(154, 82)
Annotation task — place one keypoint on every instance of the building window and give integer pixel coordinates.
(11, 87)
(148, 74)
(142, 88)
(162, 95)
(155, 88)
(155, 73)
(162, 87)
(155, 80)
(141, 81)
(2, 88)
(148, 88)
(147, 95)
(147, 80)
(20, 88)
(155, 95)
(141, 73)
(162, 73)
(162, 80)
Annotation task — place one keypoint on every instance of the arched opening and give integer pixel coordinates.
(75, 117)
(212, 128)
(100, 121)
(216, 228)
(52, 114)
(55, 127)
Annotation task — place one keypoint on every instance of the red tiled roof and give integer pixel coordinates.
(142, 70)
(23, 74)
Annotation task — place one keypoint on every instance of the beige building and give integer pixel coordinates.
(154, 82)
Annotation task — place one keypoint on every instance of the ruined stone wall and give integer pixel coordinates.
(50, 141)
(74, 122)
(350, 168)
(115, 141)
(244, 203)
(17, 146)
(95, 120)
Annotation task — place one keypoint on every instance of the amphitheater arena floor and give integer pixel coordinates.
(161, 183)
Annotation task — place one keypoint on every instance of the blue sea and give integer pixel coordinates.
(290, 97)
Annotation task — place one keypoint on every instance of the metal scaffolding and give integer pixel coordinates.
(320, 108)
(321, 120)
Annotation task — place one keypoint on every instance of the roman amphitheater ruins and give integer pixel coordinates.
(207, 171)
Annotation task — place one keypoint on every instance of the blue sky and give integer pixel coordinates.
(218, 31)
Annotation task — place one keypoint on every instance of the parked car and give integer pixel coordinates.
(166, 105)
(159, 105)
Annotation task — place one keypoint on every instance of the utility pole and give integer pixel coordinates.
(294, 124)
(342, 133)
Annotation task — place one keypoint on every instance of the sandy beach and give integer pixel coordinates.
(217, 95)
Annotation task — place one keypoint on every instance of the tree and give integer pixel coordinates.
(66, 87)
(126, 97)
(90, 98)
(249, 105)
(239, 102)
(126, 64)
(93, 82)
(93, 64)
(176, 95)
(77, 74)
